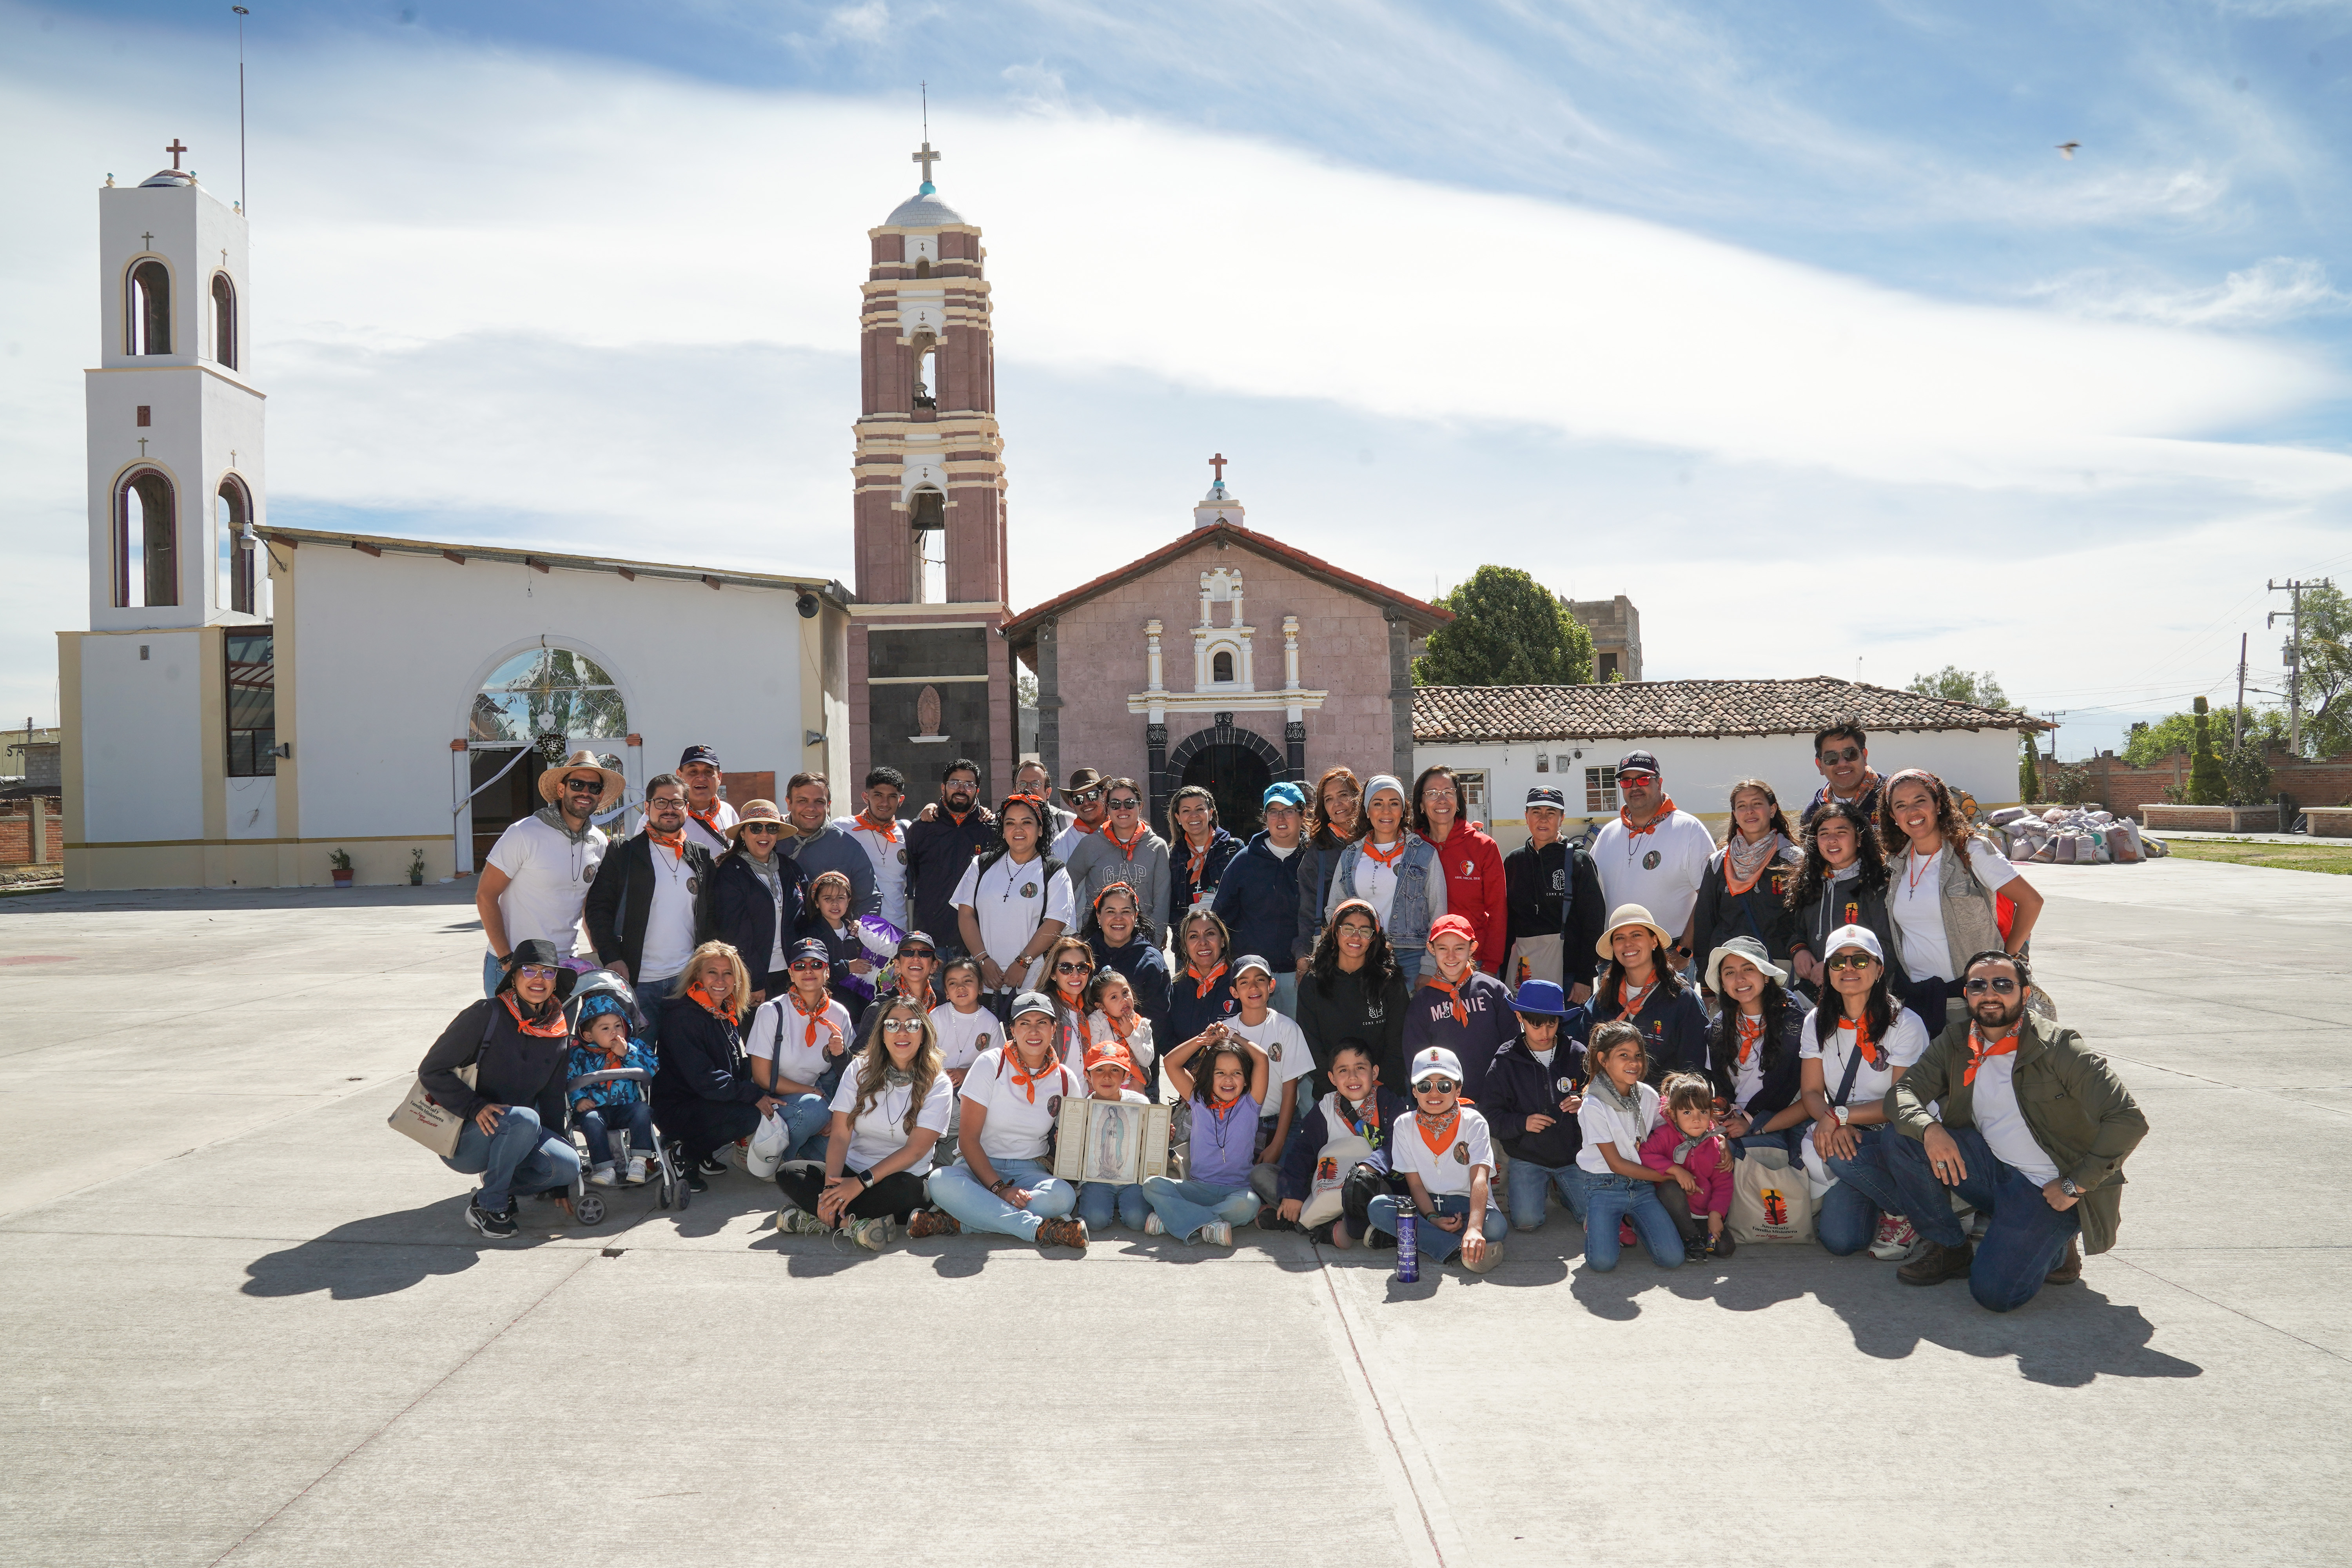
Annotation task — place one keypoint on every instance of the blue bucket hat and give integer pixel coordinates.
(1540, 999)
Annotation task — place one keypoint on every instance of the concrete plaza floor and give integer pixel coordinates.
(246, 1323)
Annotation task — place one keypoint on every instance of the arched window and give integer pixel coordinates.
(224, 319)
(1221, 668)
(147, 326)
(927, 371)
(146, 537)
(549, 691)
(233, 557)
(927, 512)
(922, 267)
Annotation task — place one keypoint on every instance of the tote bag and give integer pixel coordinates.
(1332, 1167)
(432, 1125)
(1770, 1200)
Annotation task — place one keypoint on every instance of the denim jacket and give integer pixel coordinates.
(1420, 898)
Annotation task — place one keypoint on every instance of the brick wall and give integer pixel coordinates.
(2124, 789)
(16, 829)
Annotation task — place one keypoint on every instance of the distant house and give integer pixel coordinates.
(1708, 735)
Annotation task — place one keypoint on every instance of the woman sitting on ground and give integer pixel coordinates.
(1352, 989)
(1841, 882)
(515, 1041)
(1001, 1181)
(704, 1096)
(887, 1115)
(1124, 941)
(1745, 889)
(1856, 1046)
(1640, 987)
(1394, 870)
(1944, 892)
(798, 1046)
(1751, 1053)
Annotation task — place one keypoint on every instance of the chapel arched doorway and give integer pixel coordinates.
(534, 710)
(1234, 766)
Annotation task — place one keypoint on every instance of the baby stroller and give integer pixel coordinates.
(587, 1204)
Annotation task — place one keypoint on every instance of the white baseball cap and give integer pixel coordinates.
(1862, 937)
(1436, 1062)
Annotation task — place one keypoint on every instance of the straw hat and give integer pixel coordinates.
(553, 777)
(1626, 915)
(758, 811)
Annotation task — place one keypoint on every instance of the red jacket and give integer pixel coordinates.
(1476, 889)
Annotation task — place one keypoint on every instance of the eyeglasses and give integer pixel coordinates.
(1356, 928)
(1086, 795)
(1435, 1085)
(536, 971)
(1074, 968)
(584, 786)
(902, 1026)
(1126, 803)
(1851, 754)
(2000, 986)
(1851, 961)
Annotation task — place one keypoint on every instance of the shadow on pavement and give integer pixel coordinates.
(387, 1253)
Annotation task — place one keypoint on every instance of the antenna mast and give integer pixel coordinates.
(241, 195)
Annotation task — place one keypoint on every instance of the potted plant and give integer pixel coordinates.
(341, 861)
(416, 867)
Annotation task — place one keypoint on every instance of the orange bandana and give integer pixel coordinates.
(1452, 990)
(713, 1008)
(1199, 858)
(1665, 810)
(1444, 1131)
(1127, 848)
(1206, 981)
(709, 821)
(1752, 1034)
(1372, 851)
(1023, 1078)
(1980, 1053)
(673, 842)
(813, 1018)
(1630, 1001)
(552, 1027)
(888, 829)
(1864, 1043)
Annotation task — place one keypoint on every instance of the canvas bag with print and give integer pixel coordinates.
(1770, 1199)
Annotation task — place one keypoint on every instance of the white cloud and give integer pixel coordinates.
(2265, 294)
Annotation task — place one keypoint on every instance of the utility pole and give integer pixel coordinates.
(2238, 719)
(2294, 586)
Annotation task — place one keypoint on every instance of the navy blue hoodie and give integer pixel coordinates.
(1257, 899)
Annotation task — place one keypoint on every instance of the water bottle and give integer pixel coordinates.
(1408, 1247)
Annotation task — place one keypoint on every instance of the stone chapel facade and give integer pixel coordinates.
(1224, 658)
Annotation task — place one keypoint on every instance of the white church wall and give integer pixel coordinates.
(392, 649)
(141, 737)
(252, 808)
(1699, 771)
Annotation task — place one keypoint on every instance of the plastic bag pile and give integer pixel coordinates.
(2072, 836)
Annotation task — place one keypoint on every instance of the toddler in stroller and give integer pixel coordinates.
(607, 1108)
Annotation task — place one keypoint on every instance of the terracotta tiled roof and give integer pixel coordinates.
(1633, 709)
(1423, 617)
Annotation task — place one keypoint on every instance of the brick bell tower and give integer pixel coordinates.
(929, 677)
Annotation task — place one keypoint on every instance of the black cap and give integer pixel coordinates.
(698, 754)
(1638, 763)
(915, 939)
(810, 947)
(1544, 795)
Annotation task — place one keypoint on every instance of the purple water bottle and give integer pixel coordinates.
(1408, 1247)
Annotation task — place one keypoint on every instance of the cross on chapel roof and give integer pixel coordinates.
(175, 149)
(927, 158)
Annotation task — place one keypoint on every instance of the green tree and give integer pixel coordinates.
(1957, 685)
(2175, 735)
(1508, 630)
(2207, 784)
(2028, 785)
(2325, 652)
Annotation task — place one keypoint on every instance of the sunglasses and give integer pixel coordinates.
(584, 786)
(1126, 803)
(800, 963)
(1086, 795)
(1998, 986)
(902, 1026)
(1435, 1085)
(536, 971)
(1851, 754)
(1074, 968)
(765, 829)
(1851, 960)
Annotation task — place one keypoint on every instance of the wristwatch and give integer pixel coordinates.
(1845, 1114)
(2066, 1186)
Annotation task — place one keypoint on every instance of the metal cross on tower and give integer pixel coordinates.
(1218, 463)
(927, 158)
(175, 150)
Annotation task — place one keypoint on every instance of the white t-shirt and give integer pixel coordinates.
(1070, 837)
(1747, 1078)
(1659, 870)
(1010, 903)
(1917, 906)
(778, 1033)
(889, 858)
(882, 1131)
(1448, 1171)
(1601, 1122)
(964, 1036)
(1376, 884)
(1287, 1058)
(669, 922)
(548, 875)
(723, 818)
(2003, 1124)
(1017, 1125)
(1905, 1042)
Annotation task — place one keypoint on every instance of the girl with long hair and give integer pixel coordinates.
(1352, 989)
(1856, 1046)
(1396, 871)
(1841, 881)
(1745, 889)
(1334, 819)
(1124, 939)
(887, 1117)
(1471, 861)
(1222, 1077)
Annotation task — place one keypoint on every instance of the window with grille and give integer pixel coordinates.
(1601, 789)
(252, 704)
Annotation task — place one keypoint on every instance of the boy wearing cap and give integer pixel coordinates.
(1532, 1099)
(1554, 899)
(1651, 854)
(707, 815)
(1288, 1060)
(1258, 897)
(1447, 1160)
(1460, 1007)
(877, 829)
(1110, 1067)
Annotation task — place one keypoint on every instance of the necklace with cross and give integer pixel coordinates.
(175, 150)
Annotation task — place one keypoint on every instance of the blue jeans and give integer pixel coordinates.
(1432, 1241)
(1847, 1215)
(1530, 1188)
(808, 1120)
(1185, 1206)
(1286, 995)
(492, 972)
(2026, 1238)
(1611, 1198)
(635, 1119)
(522, 1156)
(1100, 1202)
(955, 1189)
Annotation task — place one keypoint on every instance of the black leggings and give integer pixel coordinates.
(703, 1125)
(897, 1196)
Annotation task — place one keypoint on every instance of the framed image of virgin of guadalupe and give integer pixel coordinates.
(1110, 1140)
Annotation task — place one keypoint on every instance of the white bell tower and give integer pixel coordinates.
(174, 421)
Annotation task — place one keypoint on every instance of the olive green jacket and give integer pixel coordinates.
(2072, 1102)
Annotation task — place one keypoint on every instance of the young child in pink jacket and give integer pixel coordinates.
(1688, 1146)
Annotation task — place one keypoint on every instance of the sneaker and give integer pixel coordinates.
(1269, 1218)
(695, 1182)
(602, 1176)
(1721, 1245)
(1152, 1225)
(1896, 1238)
(712, 1165)
(800, 1222)
(1062, 1233)
(638, 1171)
(497, 1225)
(933, 1222)
(1937, 1263)
(1379, 1241)
(873, 1235)
(1217, 1233)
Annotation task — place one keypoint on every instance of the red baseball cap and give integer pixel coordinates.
(1453, 925)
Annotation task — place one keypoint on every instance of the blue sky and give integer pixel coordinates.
(1789, 322)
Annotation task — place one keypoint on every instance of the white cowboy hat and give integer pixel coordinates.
(552, 779)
